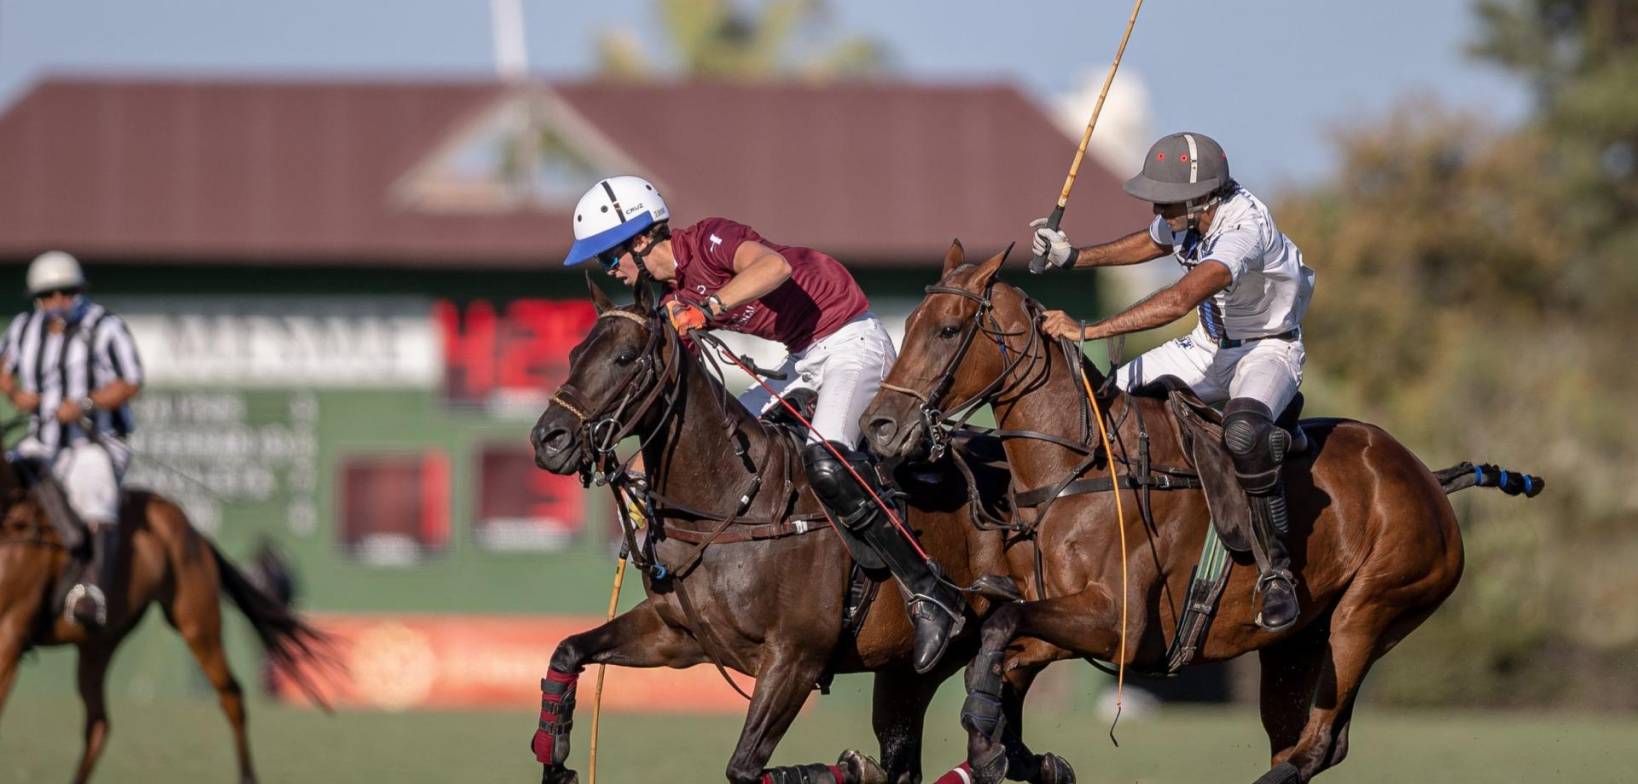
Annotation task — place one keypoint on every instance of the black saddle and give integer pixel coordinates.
(803, 400)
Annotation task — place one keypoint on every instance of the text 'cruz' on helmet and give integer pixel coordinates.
(1180, 167)
(613, 211)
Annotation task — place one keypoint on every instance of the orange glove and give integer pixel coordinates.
(685, 317)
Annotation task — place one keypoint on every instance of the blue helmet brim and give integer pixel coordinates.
(586, 249)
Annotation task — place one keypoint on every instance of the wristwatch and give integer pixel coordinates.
(714, 306)
(87, 405)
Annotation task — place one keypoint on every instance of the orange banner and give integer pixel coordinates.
(413, 662)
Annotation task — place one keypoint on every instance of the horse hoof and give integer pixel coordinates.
(989, 768)
(559, 776)
(1055, 770)
(1283, 773)
(860, 769)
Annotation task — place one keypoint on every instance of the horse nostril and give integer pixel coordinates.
(551, 440)
(883, 429)
(557, 439)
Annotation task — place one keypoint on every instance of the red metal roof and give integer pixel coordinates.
(272, 171)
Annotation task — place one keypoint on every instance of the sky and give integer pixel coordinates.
(1272, 80)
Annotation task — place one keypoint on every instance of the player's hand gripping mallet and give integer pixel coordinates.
(1038, 264)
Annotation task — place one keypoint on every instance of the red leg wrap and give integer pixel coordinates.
(960, 774)
(551, 741)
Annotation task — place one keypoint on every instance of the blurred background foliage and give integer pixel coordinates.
(1476, 293)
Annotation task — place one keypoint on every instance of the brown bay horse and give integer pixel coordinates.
(1374, 540)
(765, 597)
(163, 560)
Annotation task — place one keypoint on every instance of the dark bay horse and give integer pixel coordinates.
(1374, 540)
(163, 561)
(765, 598)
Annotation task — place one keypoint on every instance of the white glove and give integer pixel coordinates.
(1051, 243)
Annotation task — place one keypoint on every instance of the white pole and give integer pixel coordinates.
(511, 53)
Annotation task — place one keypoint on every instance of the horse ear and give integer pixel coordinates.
(600, 299)
(645, 296)
(955, 257)
(991, 266)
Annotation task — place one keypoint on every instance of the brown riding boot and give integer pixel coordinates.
(87, 602)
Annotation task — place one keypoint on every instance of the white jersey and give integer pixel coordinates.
(1271, 286)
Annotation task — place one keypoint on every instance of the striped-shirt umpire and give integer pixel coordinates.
(87, 355)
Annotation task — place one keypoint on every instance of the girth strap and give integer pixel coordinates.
(1160, 479)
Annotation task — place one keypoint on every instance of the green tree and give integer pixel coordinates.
(719, 39)
(1475, 296)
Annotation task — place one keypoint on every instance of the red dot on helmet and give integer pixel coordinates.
(1160, 156)
(1184, 158)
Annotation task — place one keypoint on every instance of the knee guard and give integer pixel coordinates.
(835, 485)
(1256, 444)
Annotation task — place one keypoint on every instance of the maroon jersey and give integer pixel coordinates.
(818, 298)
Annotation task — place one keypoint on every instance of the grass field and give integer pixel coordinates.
(179, 741)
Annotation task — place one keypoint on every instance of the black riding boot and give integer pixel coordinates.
(1258, 447)
(1276, 583)
(87, 602)
(935, 606)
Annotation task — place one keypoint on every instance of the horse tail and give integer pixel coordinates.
(1464, 475)
(288, 640)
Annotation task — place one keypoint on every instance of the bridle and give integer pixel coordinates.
(653, 380)
(940, 423)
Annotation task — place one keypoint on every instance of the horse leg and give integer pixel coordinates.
(1023, 764)
(899, 716)
(93, 672)
(1080, 623)
(1361, 631)
(196, 615)
(13, 636)
(782, 685)
(1290, 672)
(638, 637)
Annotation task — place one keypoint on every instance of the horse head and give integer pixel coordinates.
(616, 374)
(961, 344)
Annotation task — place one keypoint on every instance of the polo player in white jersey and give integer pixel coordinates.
(71, 364)
(1250, 287)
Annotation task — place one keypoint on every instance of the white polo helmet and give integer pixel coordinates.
(613, 211)
(54, 270)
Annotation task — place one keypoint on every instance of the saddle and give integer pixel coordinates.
(1200, 434)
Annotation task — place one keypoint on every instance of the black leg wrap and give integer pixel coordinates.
(800, 774)
(1283, 773)
(982, 712)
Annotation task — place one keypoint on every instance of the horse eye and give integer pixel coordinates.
(626, 357)
(949, 332)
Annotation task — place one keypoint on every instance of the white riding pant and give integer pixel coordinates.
(89, 474)
(1268, 371)
(845, 368)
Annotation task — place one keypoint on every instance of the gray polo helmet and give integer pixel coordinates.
(1179, 168)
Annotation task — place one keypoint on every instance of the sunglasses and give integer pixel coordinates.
(49, 293)
(611, 257)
